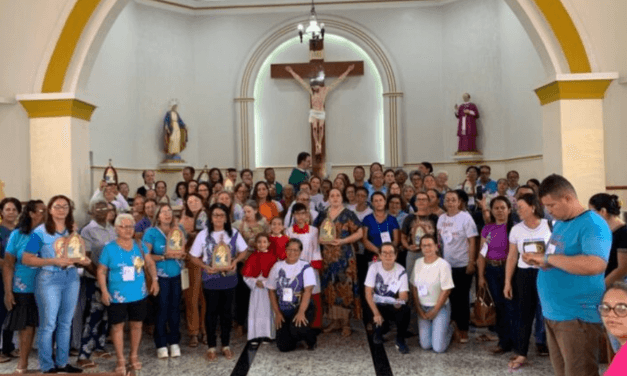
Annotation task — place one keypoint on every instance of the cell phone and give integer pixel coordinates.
(479, 193)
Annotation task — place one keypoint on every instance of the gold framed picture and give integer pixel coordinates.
(221, 258)
(75, 247)
(59, 247)
(204, 177)
(327, 231)
(176, 240)
(534, 247)
(110, 175)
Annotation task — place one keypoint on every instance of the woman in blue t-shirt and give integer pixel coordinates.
(123, 283)
(379, 227)
(57, 284)
(169, 271)
(22, 316)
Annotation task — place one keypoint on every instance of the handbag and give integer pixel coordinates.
(483, 311)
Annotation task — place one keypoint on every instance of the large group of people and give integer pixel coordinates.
(286, 262)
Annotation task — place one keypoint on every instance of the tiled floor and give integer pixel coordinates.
(333, 356)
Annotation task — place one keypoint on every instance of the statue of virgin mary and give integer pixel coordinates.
(175, 133)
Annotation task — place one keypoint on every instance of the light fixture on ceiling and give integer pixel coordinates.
(314, 29)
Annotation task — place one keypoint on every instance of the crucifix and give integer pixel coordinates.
(316, 70)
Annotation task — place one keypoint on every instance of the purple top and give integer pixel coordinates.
(496, 239)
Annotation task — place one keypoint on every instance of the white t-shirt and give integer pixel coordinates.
(431, 279)
(311, 250)
(385, 282)
(291, 271)
(454, 233)
(198, 248)
(529, 240)
(361, 215)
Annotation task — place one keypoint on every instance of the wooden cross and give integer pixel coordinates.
(315, 68)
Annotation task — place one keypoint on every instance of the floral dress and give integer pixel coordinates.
(340, 286)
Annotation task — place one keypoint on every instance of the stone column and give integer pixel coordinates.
(59, 147)
(244, 117)
(573, 131)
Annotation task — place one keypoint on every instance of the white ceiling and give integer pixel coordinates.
(255, 6)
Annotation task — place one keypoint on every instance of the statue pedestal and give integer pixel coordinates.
(468, 157)
(171, 165)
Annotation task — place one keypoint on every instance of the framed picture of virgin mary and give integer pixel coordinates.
(75, 247)
(221, 258)
(176, 240)
(327, 231)
(204, 175)
(110, 175)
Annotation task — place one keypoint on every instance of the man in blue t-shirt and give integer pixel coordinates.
(571, 280)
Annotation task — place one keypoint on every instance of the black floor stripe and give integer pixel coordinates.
(245, 360)
(379, 358)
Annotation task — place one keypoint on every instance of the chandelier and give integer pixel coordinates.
(315, 29)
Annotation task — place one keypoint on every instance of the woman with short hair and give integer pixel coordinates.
(124, 288)
(20, 297)
(57, 284)
(387, 294)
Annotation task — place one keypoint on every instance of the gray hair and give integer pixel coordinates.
(301, 193)
(442, 172)
(122, 217)
(99, 200)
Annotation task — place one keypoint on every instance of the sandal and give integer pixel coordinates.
(203, 339)
(4, 358)
(121, 367)
(228, 354)
(346, 331)
(135, 363)
(102, 354)
(496, 350)
(335, 325)
(211, 355)
(485, 338)
(517, 363)
(193, 341)
(21, 370)
(86, 363)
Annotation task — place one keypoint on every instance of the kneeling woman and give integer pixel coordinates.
(290, 283)
(123, 283)
(387, 293)
(432, 281)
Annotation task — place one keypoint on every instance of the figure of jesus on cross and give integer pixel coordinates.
(318, 95)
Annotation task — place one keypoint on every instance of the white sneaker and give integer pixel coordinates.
(175, 351)
(162, 353)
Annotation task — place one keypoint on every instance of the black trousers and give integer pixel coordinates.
(288, 336)
(400, 316)
(460, 298)
(219, 304)
(526, 296)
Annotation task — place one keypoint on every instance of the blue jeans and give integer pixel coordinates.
(436, 334)
(56, 294)
(168, 312)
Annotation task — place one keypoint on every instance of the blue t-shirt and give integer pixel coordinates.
(126, 282)
(23, 276)
(375, 229)
(166, 268)
(41, 244)
(565, 296)
(490, 187)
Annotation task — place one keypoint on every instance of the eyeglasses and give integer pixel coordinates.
(620, 309)
(389, 253)
(61, 207)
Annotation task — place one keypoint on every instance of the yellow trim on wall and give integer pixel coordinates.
(68, 40)
(58, 108)
(566, 34)
(557, 90)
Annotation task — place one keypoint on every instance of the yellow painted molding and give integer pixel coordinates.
(567, 35)
(572, 89)
(68, 40)
(58, 108)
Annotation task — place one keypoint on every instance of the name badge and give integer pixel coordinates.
(484, 250)
(394, 286)
(288, 295)
(128, 273)
(385, 237)
(422, 290)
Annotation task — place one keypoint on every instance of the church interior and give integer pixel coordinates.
(87, 83)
